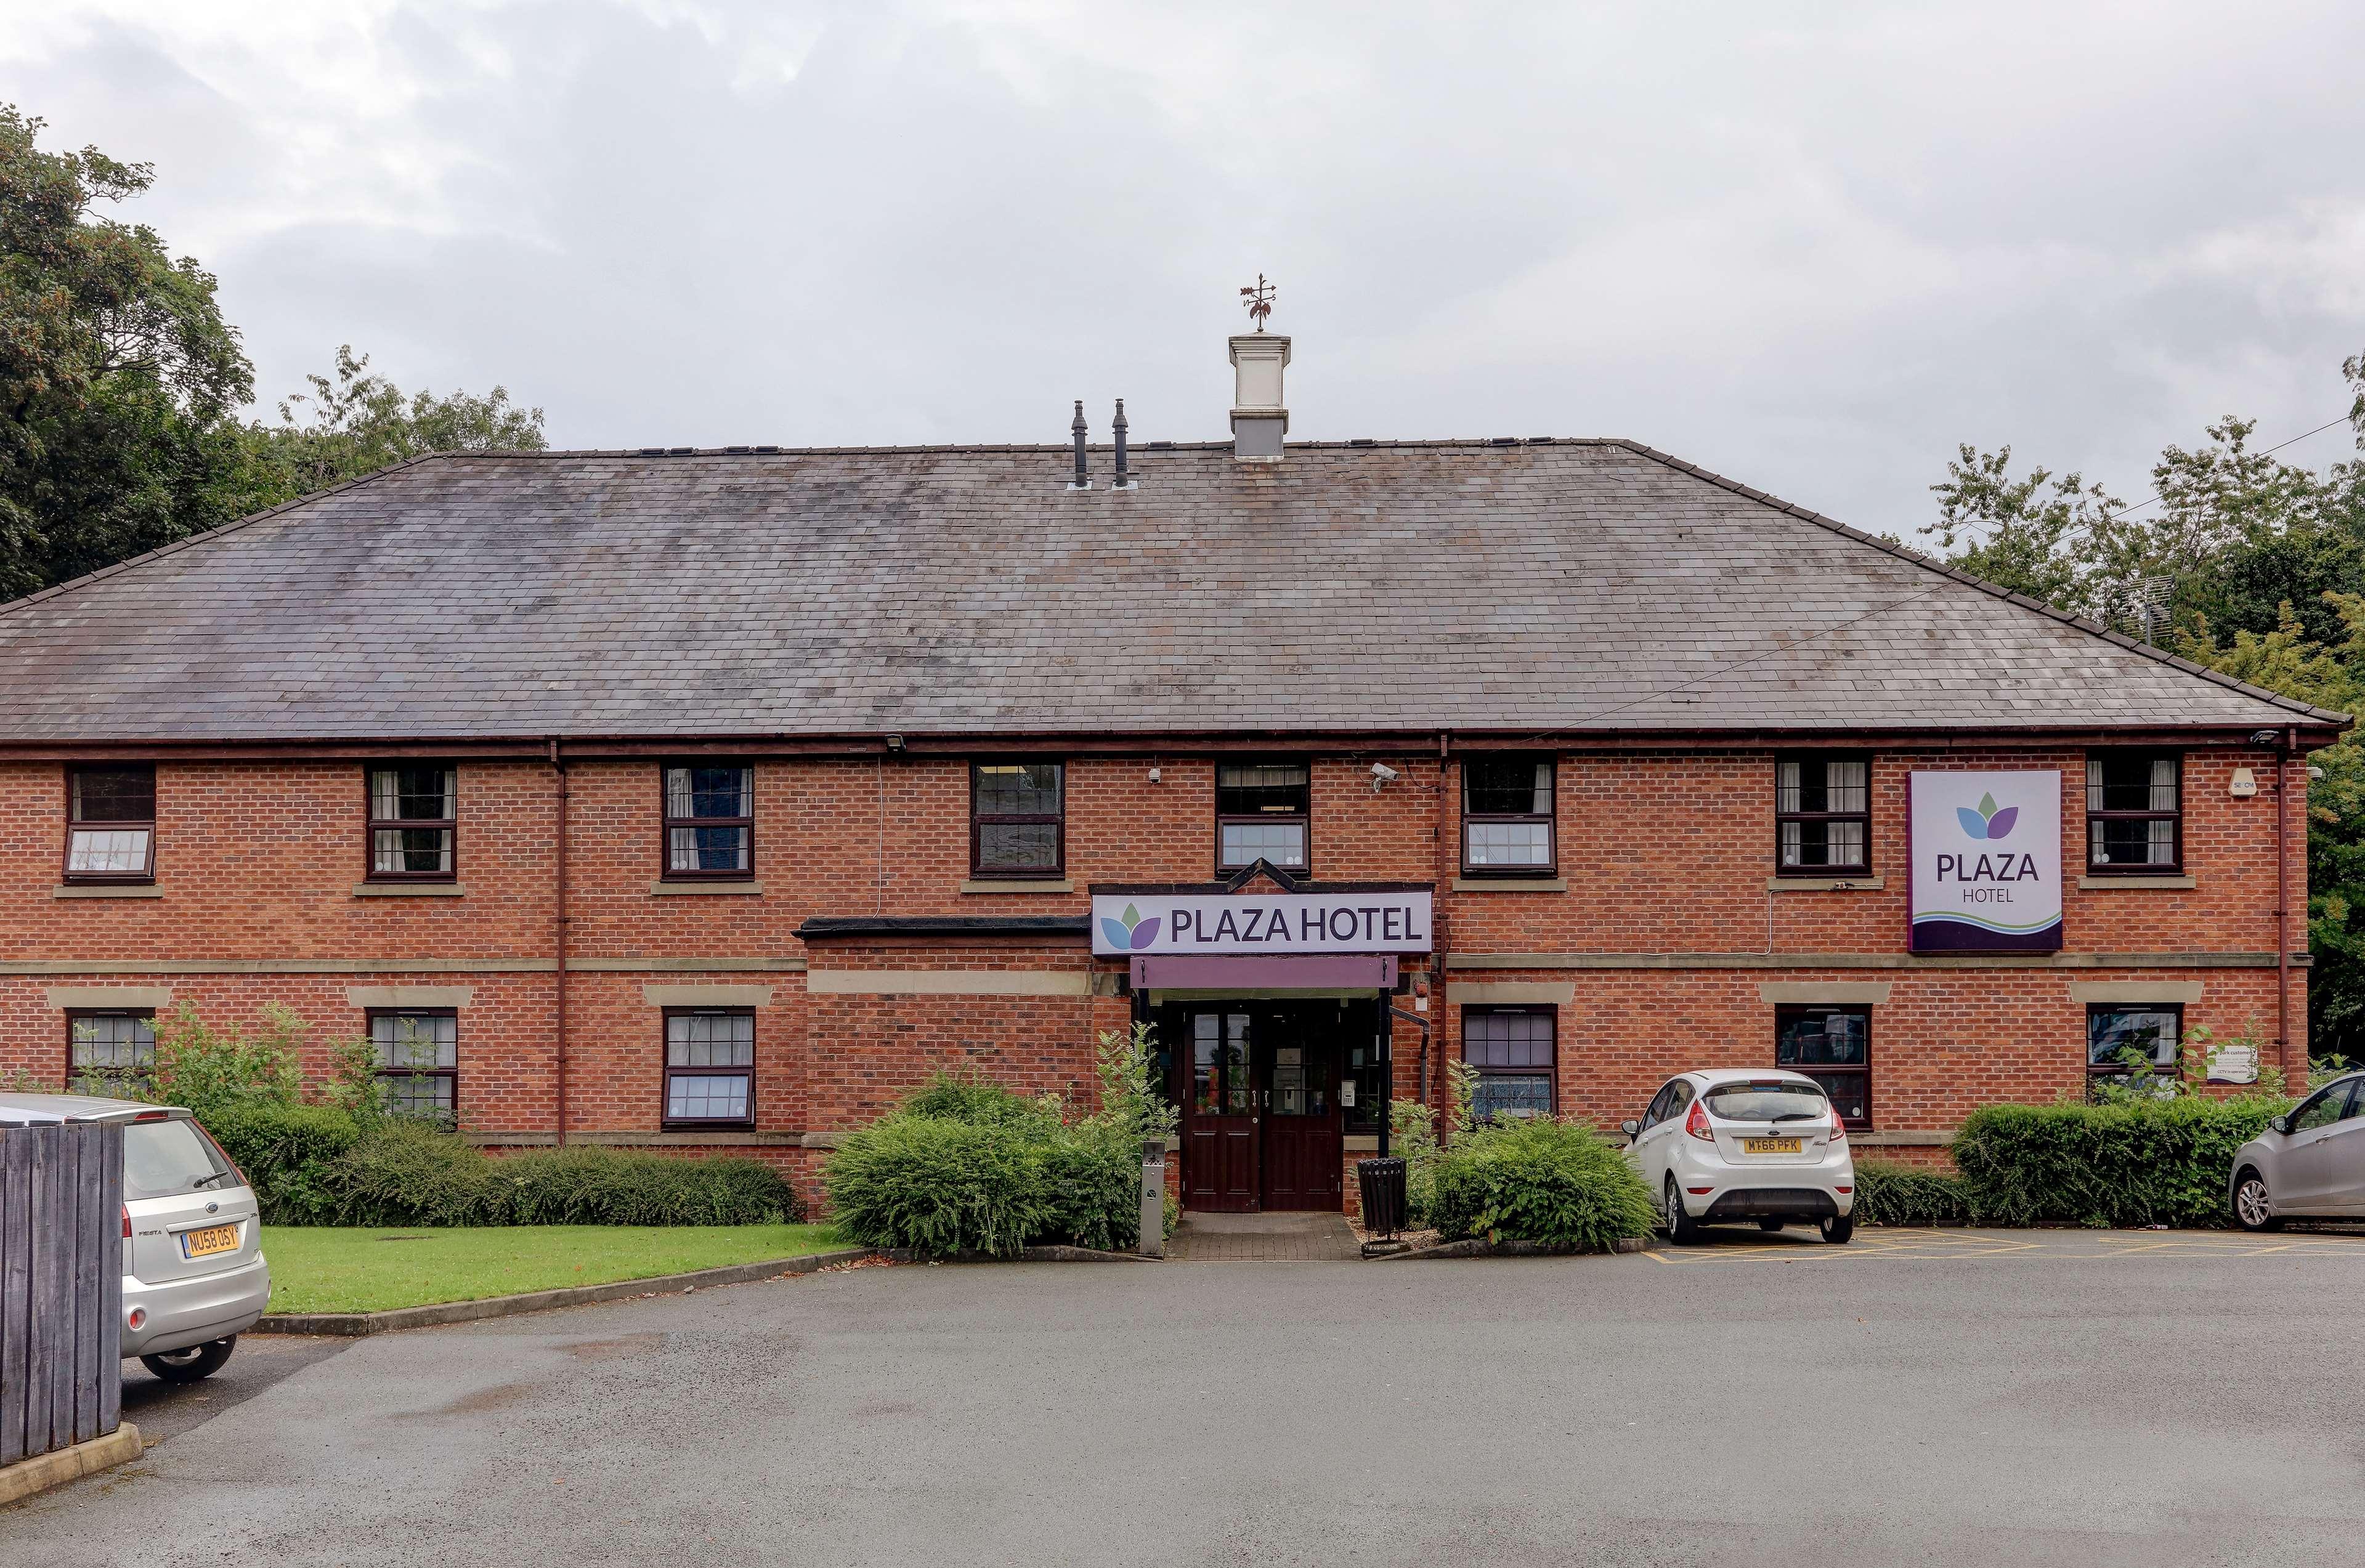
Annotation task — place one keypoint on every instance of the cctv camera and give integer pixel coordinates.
(1382, 774)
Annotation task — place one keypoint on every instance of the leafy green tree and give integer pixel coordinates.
(120, 385)
(117, 373)
(362, 422)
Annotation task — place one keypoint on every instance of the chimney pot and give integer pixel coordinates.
(1120, 480)
(1260, 413)
(1083, 479)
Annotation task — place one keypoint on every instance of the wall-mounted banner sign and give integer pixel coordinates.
(1126, 924)
(1987, 862)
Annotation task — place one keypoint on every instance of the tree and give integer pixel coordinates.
(120, 385)
(116, 372)
(362, 422)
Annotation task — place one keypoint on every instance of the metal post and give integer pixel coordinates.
(1387, 1066)
(1153, 1198)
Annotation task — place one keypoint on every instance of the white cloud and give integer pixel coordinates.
(1813, 249)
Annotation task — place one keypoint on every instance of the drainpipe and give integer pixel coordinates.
(558, 764)
(2283, 910)
(1448, 849)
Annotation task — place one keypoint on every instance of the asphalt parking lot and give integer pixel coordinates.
(1920, 1396)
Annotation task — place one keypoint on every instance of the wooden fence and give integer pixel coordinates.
(61, 1287)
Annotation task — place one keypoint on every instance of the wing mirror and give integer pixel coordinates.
(2279, 1124)
(1631, 1127)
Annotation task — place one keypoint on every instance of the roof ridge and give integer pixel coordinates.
(192, 540)
(1997, 590)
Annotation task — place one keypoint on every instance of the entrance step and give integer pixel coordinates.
(1262, 1238)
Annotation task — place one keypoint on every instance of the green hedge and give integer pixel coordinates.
(322, 1165)
(1556, 1183)
(1889, 1193)
(966, 1166)
(2157, 1163)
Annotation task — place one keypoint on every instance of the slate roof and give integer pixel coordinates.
(1577, 587)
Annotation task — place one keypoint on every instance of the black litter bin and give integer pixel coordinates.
(1383, 1195)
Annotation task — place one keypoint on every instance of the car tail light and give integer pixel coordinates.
(1696, 1122)
(152, 1116)
(139, 1318)
(127, 1221)
(1839, 1128)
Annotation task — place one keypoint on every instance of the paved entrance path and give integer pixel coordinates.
(1262, 1238)
(1959, 1398)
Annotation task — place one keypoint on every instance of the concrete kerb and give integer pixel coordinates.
(353, 1324)
(44, 1471)
(1026, 1255)
(1478, 1247)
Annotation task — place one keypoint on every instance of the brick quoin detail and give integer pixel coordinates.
(1666, 855)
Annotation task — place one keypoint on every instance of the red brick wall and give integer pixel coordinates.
(1665, 855)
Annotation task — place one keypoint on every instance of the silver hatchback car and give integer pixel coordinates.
(194, 1276)
(2308, 1164)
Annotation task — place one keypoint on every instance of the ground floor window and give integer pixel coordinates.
(109, 1052)
(710, 1067)
(418, 1060)
(2153, 1031)
(1834, 1046)
(1512, 1050)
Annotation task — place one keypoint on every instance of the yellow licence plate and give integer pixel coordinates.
(213, 1239)
(1770, 1145)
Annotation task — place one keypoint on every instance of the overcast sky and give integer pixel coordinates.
(1813, 247)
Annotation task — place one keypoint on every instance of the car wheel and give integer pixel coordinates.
(1837, 1228)
(1769, 1224)
(191, 1364)
(1682, 1230)
(2254, 1206)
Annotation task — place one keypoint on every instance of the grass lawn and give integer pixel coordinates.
(333, 1269)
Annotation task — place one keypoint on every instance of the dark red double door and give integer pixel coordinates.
(1262, 1128)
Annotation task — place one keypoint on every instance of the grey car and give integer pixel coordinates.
(2308, 1164)
(194, 1276)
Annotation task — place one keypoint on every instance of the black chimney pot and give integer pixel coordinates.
(1083, 481)
(1122, 479)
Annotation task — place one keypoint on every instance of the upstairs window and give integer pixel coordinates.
(710, 822)
(1834, 1046)
(1262, 811)
(2134, 819)
(109, 1053)
(1015, 819)
(418, 1060)
(710, 1067)
(1506, 815)
(1512, 1050)
(1823, 813)
(413, 820)
(111, 823)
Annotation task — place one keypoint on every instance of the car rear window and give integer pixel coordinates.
(167, 1160)
(1768, 1103)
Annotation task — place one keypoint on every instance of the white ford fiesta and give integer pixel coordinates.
(1745, 1144)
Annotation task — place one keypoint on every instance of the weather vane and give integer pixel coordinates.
(1260, 300)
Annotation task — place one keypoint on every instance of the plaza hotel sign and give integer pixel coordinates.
(1124, 924)
(1987, 861)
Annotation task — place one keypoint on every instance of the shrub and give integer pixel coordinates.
(2136, 1162)
(964, 1165)
(1889, 1193)
(324, 1165)
(1559, 1184)
(1413, 1135)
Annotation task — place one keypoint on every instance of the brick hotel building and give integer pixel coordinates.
(709, 800)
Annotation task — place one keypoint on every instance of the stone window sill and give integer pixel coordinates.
(410, 890)
(107, 890)
(1511, 884)
(1825, 884)
(2137, 884)
(667, 890)
(1017, 885)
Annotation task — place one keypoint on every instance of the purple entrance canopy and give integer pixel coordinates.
(1296, 971)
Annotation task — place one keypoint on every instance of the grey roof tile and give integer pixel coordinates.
(1543, 587)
